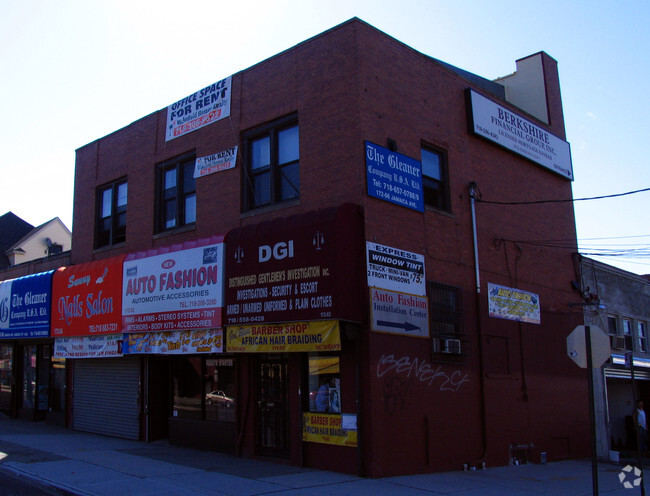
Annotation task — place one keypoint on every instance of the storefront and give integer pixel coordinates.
(86, 326)
(294, 300)
(172, 304)
(31, 382)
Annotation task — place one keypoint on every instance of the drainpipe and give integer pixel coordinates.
(475, 194)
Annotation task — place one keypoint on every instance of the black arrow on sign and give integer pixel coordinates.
(407, 326)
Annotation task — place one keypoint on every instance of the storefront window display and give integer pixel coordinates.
(203, 388)
(324, 383)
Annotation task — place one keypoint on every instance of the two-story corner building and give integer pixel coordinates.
(618, 302)
(371, 215)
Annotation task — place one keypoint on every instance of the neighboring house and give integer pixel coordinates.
(50, 238)
(12, 229)
(618, 302)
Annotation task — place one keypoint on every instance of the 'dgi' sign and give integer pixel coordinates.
(201, 108)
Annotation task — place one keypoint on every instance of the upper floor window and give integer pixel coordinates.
(111, 214)
(445, 318)
(641, 336)
(272, 165)
(627, 332)
(435, 180)
(176, 194)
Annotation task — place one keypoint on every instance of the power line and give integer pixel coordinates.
(563, 201)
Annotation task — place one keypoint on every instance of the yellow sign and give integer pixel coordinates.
(322, 335)
(327, 429)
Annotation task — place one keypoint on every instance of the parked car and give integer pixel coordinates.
(218, 397)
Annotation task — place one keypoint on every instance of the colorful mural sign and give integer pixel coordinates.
(175, 342)
(274, 338)
(513, 304)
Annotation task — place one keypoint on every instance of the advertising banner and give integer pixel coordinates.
(218, 162)
(178, 288)
(174, 342)
(395, 269)
(201, 108)
(503, 127)
(327, 429)
(296, 269)
(513, 304)
(87, 299)
(273, 338)
(25, 306)
(394, 177)
(102, 346)
(399, 313)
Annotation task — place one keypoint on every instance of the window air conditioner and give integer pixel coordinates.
(450, 346)
(618, 342)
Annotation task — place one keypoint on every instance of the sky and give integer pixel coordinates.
(74, 71)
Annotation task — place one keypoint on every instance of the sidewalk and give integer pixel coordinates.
(78, 463)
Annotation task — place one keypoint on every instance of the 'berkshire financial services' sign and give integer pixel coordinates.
(394, 177)
(519, 135)
(201, 108)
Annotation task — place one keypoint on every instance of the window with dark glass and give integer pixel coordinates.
(111, 214)
(445, 318)
(435, 183)
(176, 194)
(272, 165)
(204, 388)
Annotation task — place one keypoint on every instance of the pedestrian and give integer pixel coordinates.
(641, 427)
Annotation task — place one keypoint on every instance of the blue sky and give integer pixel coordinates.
(74, 71)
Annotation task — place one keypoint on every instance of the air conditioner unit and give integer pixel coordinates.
(450, 346)
(617, 342)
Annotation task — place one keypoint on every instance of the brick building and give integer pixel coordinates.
(385, 307)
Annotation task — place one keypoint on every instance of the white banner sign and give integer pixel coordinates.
(399, 313)
(513, 304)
(395, 269)
(500, 125)
(174, 290)
(204, 107)
(218, 162)
(101, 346)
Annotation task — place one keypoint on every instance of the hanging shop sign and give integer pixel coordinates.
(327, 429)
(176, 288)
(174, 342)
(395, 269)
(102, 346)
(291, 337)
(218, 162)
(25, 306)
(87, 299)
(399, 313)
(394, 177)
(519, 135)
(300, 268)
(513, 304)
(201, 108)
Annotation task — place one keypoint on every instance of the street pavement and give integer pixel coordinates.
(77, 463)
